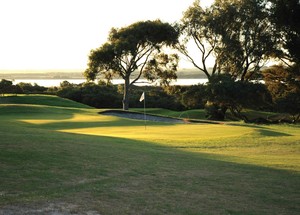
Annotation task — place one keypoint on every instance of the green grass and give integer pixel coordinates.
(41, 100)
(70, 154)
(189, 114)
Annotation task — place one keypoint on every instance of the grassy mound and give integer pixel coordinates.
(41, 100)
(74, 157)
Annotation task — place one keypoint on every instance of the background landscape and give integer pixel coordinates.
(76, 74)
(136, 143)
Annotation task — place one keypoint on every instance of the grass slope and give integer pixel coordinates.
(41, 100)
(73, 156)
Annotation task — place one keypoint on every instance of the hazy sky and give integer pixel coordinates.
(59, 34)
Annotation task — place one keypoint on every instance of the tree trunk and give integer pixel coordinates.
(237, 113)
(215, 111)
(126, 93)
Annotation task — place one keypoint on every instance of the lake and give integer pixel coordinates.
(142, 82)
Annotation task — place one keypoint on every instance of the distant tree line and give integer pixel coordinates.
(217, 97)
(103, 95)
(240, 36)
(7, 87)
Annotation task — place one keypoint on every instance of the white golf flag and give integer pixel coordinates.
(142, 97)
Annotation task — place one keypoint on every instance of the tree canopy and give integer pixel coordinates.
(195, 28)
(285, 15)
(135, 48)
(237, 33)
(283, 84)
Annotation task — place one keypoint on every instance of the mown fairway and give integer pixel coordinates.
(63, 154)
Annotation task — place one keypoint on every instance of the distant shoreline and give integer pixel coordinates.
(78, 74)
(142, 82)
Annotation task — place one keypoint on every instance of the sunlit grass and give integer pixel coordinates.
(264, 146)
(75, 118)
(117, 166)
(188, 114)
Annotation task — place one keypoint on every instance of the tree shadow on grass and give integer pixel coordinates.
(37, 112)
(263, 130)
(112, 122)
(270, 133)
(118, 175)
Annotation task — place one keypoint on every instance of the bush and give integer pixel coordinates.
(156, 97)
(226, 93)
(95, 95)
(7, 86)
(29, 88)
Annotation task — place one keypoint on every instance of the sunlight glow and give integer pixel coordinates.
(59, 34)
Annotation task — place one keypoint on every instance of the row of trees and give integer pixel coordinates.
(7, 86)
(104, 95)
(222, 93)
(240, 35)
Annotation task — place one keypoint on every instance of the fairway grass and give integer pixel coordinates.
(60, 154)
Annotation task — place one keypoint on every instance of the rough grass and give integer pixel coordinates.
(75, 157)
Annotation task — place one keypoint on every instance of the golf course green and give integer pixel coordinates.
(58, 152)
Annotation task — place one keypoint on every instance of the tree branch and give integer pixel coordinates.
(142, 67)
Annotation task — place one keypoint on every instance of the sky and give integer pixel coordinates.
(59, 34)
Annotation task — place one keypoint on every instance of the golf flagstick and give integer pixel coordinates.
(143, 98)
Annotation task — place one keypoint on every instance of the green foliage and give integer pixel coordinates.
(247, 36)
(29, 88)
(162, 67)
(143, 33)
(133, 48)
(290, 104)
(190, 97)
(283, 84)
(109, 96)
(242, 35)
(7, 86)
(285, 15)
(156, 97)
(95, 95)
(195, 28)
(237, 33)
(225, 93)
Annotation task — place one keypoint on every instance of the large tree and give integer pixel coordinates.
(285, 15)
(135, 48)
(237, 33)
(247, 37)
(195, 31)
